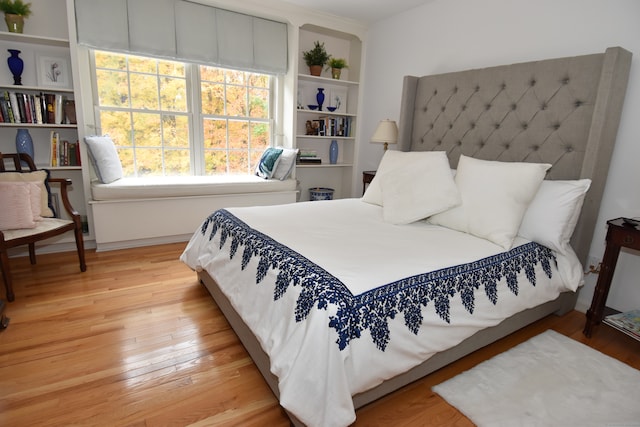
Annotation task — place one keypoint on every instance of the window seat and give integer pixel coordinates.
(133, 212)
(164, 187)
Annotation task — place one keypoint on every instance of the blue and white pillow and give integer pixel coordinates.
(268, 162)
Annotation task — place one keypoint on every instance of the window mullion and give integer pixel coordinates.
(196, 125)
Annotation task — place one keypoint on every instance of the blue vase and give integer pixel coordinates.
(16, 65)
(24, 143)
(320, 98)
(333, 152)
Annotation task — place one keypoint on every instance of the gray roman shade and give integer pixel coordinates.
(183, 30)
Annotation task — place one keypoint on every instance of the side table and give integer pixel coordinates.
(620, 234)
(367, 177)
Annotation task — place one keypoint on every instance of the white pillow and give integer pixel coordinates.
(104, 158)
(553, 213)
(394, 160)
(15, 206)
(39, 178)
(418, 190)
(285, 163)
(495, 196)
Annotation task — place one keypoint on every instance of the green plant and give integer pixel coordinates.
(337, 63)
(15, 7)
(316, 56)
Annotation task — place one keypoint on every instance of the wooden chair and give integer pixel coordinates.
(46, 228)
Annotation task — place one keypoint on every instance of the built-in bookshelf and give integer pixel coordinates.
(337, 120)
(43, 128)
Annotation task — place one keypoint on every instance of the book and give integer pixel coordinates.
(50, 102)
(310, 160)
(14, 107)
(55, 155)
(7, 103)
(627, 322)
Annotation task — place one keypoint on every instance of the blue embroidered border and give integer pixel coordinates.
(373, 309)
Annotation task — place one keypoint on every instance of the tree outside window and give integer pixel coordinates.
(162, 129)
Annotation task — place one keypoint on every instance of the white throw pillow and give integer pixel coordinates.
(285, 163)
(553, 213)
(418, 190)
(39, 178)
(15, 206)
(395, 160)
(495, 196)
(104, 157)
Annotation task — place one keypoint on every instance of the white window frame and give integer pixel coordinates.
(194, 113)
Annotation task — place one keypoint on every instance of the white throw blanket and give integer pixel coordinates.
(319, 359)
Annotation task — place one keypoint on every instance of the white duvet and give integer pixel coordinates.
(319, 366)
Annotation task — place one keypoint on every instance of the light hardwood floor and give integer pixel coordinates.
(137, 341)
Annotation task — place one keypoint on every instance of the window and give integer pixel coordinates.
(173, 118)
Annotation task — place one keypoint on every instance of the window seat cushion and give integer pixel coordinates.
(183, 186)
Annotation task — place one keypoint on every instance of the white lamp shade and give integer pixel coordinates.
(387, 131)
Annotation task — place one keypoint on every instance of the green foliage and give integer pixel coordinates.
(15, 7)
(337, 63)
(316, 56)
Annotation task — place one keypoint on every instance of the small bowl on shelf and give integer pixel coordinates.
(332, 109)
(312, 107)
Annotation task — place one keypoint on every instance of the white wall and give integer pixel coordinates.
(451, 35)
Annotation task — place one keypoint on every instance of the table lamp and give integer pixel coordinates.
(387, 132)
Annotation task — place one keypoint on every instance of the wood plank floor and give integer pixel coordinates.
(137, 341)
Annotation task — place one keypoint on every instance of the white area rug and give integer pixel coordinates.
(550, 380)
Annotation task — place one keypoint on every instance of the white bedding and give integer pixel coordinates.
(318, 368)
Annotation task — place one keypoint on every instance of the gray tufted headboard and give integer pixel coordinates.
(561, 111)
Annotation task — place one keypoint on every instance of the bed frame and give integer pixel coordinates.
(561, 111)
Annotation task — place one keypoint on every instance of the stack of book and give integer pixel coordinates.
(627, 322)
(63, 153)
(308, 157)
(41, 108)
(332, 126)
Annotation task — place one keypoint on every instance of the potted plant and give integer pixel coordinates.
(336, 65)
(14, 13)
(316, 58)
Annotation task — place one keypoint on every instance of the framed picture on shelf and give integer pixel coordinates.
(53, 71)
(338, 99)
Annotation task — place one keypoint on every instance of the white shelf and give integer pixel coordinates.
(38, 125)
(21, 88)
(32, 39)
(346, 138)
(325, 80)
(325, 165)
(61, 168)
(324, 113)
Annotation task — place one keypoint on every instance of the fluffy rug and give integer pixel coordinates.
(550, 380)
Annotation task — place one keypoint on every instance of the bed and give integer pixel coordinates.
(341, 302)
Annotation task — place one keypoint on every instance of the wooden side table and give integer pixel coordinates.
(367, 177)
(620, 234)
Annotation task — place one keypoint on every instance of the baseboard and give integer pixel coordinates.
(128, 244)
(50, 248)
